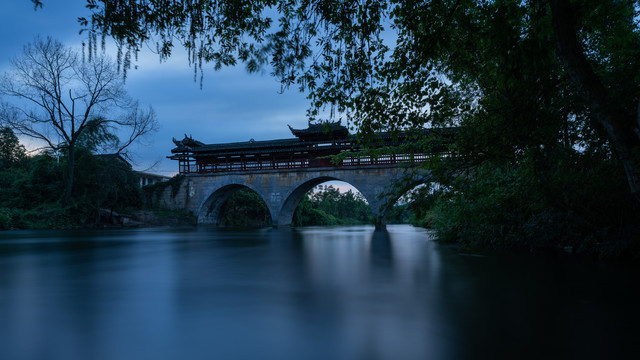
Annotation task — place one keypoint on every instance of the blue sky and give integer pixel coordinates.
(231, 106)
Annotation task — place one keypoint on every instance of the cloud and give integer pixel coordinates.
(232, 105)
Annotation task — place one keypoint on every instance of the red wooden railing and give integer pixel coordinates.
(257, 165)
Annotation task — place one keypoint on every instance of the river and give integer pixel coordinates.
(308, 293)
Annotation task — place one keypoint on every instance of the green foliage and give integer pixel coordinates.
(418, 210)
(54, 97)
(544, 94)
(105, 182)
(306, 215)
(31, 194)
(400, 214)
(328, 206)
(385, 64)
(245, 208)
(491, 66)
(44, 216)
(6, 219)
(12, 153)
(580, 202)
(97, 136)
(38, 181)
(172, 217)
(154, 191)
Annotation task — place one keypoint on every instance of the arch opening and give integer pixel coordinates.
(414, 206)
(235, 206)
(326, 201)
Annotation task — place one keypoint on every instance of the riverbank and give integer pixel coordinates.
(141, 218)
(57, 218)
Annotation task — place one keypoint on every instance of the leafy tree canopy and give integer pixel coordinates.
(53, 96)
(545, 94)
(11, 151)
(326, 205)
(519, 75)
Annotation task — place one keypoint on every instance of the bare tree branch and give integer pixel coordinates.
(58, 100)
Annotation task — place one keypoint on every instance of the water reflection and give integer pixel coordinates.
(310, 293)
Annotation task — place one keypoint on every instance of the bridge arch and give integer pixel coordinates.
(210, 210)
(384, 195)
(403, 188)
(282, 190)
(293, 198)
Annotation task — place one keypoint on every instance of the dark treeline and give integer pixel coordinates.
(73, 110)
(545, 95)
(245, 208)
(32, 187)
(32, 193)
(326, 205)
(548, 199)
(574, 200)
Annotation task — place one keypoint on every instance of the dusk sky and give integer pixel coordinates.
(231, 106)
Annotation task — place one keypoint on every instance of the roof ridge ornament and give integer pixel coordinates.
(188, 141)
(323, 130)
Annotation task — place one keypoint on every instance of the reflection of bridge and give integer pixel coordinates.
(282, 171)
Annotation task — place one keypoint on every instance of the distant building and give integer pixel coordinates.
(149, 179)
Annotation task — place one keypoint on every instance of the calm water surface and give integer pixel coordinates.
(310, 293)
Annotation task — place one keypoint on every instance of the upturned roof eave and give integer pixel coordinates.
(267, 145)
(285, 144)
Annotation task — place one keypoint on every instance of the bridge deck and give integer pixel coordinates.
(245, 165)
(313, 150)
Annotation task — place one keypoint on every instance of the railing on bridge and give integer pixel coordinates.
(311, 149)
(247, 166)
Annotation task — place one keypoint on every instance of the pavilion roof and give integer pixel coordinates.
(283, 145)
(321, 131)
(258, 147)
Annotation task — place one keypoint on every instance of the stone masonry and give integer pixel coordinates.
(282, 190)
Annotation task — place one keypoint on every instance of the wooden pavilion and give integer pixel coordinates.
(311, 148)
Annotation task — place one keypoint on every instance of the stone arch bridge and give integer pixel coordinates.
(282, 190)
(282, 171)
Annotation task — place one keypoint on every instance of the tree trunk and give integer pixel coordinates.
(620, 128)
(70, 169)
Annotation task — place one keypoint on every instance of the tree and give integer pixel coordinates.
(57, 97)
(621, 121)
(326, 205)
(11, 151)
(245, 208)
(119, 187)
(464, 62)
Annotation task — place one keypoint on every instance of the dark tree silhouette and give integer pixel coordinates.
(57, 98)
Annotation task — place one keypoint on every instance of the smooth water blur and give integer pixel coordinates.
(310, 293)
